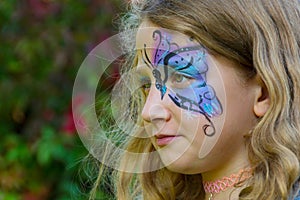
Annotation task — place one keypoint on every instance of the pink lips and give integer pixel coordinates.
(163, 140)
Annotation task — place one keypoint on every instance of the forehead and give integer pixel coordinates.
(148, 35)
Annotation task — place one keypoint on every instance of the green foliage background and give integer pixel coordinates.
(42, 45)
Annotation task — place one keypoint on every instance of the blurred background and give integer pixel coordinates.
(42, 45)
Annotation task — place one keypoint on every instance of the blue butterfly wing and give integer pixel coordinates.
(192, 61)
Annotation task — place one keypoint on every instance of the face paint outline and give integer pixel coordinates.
(208, 110)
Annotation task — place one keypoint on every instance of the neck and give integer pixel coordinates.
(224, 188)
(226, 166)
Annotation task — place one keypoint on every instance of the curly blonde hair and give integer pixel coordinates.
(263, 38)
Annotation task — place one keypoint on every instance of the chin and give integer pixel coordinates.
(183, 167)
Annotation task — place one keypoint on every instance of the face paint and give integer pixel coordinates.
(182, 71)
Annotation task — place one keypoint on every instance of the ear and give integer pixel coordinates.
(262, 100)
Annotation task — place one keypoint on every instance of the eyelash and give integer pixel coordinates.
(184, 82)
(145, 85)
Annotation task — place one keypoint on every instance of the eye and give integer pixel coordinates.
(178, 77)
(146, 87)
(180, 80)
(145, 84)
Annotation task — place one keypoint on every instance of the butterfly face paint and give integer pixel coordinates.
(182, 72)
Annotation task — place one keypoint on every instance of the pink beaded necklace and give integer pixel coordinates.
(220, 185)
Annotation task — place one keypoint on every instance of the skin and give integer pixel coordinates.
(224, 153)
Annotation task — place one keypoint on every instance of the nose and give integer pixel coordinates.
(155, 108)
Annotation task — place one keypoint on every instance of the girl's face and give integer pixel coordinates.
(197, 109)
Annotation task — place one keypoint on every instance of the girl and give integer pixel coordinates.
(217, 109)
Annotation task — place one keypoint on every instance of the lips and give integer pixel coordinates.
(163, 140)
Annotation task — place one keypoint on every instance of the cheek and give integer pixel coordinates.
(216, 81)
(239, 104)
(239, 115)
(236, 98)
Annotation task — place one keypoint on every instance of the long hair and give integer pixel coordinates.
(262, 37)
